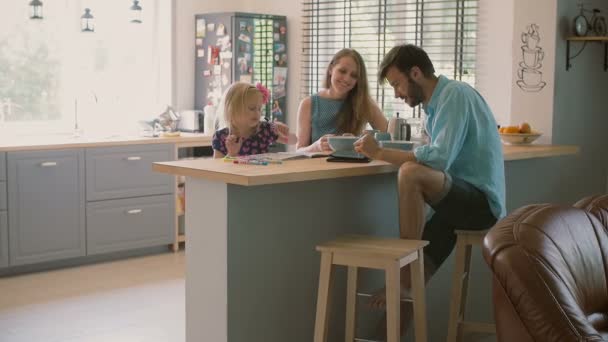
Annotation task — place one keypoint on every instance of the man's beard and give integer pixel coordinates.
(415, 93)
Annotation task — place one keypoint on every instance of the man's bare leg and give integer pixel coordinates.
(418, 184)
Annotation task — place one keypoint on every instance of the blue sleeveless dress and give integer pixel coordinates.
(324, 116)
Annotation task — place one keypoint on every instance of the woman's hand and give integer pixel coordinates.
(322, 145)
(233, 145)
(368, 146)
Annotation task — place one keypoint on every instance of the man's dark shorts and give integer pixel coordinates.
(464, 207)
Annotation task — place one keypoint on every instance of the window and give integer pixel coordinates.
(446, 29)
(52, 74)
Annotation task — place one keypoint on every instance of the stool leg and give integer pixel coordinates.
(465, 287)
(323, 297)
(460, 268)
(419, 297)
(393, 302)
(351, 304)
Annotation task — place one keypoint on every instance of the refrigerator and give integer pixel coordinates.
(236, 46)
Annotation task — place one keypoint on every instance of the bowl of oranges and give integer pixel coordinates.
(522, 134)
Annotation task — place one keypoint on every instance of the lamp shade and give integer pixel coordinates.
(136, 12)
(35, 9)
(87, 21)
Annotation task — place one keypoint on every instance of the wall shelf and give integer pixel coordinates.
(585, 40)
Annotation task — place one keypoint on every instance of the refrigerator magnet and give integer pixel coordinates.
(217, 70)
(242, 64)
(200, 28)
(244, 38)
(210, 27)
(199, 42)
(283, 60)
(242, 26)
(226, 65)
(206, 73)
(226, 55)
(277, 37)
(224, 43)
(250, 28)
(283, 30)
(276, 24)
(200, 53)
(279, 47)
(245, 78)
(221, 30)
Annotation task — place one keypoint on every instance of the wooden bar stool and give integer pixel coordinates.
(389, 255)
(457, 325)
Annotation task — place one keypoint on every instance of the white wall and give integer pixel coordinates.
(494, 46)
(184, 44)
(533, 101)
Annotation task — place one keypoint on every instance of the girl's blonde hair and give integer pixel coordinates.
(232, 102)
(357, 108)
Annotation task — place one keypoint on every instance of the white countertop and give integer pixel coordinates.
(68, 141)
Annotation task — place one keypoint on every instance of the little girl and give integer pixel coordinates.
(244, 133)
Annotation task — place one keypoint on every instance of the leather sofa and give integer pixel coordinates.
(550, 270)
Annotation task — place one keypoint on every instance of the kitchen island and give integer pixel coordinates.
(251, 265)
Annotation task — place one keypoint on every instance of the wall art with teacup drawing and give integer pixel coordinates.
(529, 73)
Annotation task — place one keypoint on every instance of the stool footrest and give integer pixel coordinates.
(403, 299)
(468, 326)
(364, 340)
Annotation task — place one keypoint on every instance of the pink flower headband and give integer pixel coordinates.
(265, 92)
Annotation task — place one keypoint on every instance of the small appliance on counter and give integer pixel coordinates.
(399, 128)
(191, 121)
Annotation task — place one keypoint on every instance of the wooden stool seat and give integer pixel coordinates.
(457, 325)
(390, 255)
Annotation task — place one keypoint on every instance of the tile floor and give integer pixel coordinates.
(134, 300)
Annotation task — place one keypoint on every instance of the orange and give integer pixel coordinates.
(525, 128)
(511, 129)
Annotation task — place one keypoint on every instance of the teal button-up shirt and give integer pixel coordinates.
(464, 140)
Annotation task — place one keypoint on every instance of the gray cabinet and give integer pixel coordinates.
(129, 223)
(128, 204)
(2, 166)
(126, 171)
(2, 195)
(45, 206)
(3, 216)
(3, 239)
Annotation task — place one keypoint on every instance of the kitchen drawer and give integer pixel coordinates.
(3, 239)
(2, 195)
(115, 225)
(2, 166)
(126, 171)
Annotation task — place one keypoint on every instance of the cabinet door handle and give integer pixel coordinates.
(48, 164)
(134, 211)
(134, 158)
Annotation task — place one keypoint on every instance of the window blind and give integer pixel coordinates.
(445, 29)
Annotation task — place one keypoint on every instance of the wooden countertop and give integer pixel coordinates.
(59, 142)
(317, 168)
(519, 152)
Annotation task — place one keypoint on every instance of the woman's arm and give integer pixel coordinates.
(217, 154)
(378, 120)
(304, 127)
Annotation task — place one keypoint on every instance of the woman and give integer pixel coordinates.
(344, 106)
